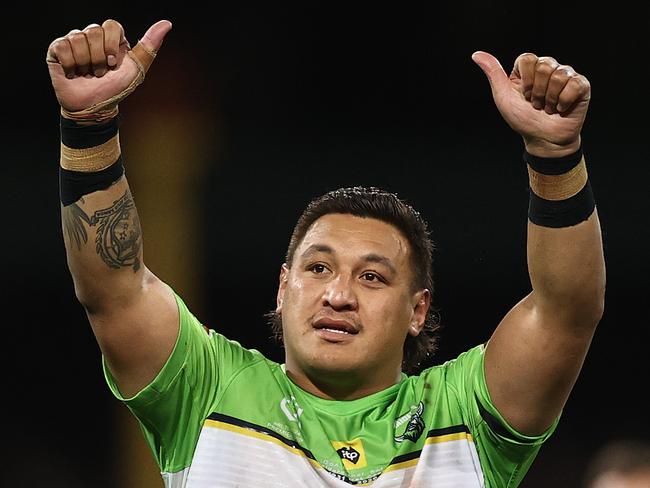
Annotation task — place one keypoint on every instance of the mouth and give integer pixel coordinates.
(333, 330)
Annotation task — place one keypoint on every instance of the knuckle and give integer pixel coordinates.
(546, 65)
(567, 69)
(73, 31)
(77, 36)
(93, 30)
(57, 49)
(547, 60)
(527, 57)
(112, 24)
(579, 82)
(57, 44)
(563, 72)
(559, 77)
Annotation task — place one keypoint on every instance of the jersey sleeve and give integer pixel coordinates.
(172, 408)
(502, 448)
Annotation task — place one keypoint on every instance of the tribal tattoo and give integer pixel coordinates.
(119, 235)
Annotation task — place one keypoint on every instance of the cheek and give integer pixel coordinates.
(297, 295)
(391, 317)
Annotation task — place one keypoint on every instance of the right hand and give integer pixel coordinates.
(91, 66)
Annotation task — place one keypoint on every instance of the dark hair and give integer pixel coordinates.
(372, 202)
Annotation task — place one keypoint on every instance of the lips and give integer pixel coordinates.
(336, 326)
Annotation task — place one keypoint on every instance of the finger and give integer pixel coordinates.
(60, 51)
(524, 69)
(492, 69)
(576, 90)
(543, 70)
(80, 51)
(113, 39)
(95, 36)
(556, 84)
(146, 49)
(152, 39)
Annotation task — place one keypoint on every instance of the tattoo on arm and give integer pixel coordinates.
(73, 217)
(119, 236)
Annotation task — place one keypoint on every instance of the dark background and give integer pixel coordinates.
(280, 104)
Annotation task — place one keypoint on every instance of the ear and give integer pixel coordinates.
(422, 303)
(284, 277)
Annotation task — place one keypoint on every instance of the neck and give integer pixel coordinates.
(339, 385)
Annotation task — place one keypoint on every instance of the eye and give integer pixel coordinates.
(371, 277)
(317, 268)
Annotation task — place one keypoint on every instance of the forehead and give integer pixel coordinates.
(347, 233)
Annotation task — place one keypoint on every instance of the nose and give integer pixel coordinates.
(339, 294)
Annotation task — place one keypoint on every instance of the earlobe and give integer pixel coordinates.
(415, 329)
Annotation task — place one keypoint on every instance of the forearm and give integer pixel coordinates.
(565, 252)
(101, 228)
(567, 269)
(103, 242)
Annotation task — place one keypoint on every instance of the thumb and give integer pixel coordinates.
(153, 38)
(493, 70)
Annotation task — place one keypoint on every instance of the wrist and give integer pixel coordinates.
(547, 149)
(91, 158)
(560, 191)
(91, 117)
(89, 147)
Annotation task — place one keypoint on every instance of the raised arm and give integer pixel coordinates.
(132, 313)
(536, 353)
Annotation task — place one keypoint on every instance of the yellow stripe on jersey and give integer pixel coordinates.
(458, 436)
(215, 424)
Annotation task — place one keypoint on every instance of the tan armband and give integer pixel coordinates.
(560, 191)
(558, 187)
(91, 158)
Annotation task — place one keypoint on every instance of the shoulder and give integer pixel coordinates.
(467, 360)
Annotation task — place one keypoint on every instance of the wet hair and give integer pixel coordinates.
(372, 202)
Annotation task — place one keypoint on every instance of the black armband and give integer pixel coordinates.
(91, 158)
(75, 184)
(560, 191)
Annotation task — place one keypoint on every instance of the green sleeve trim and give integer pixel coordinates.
(502, 428)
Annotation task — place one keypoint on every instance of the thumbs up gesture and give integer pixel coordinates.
(544, 101)
(93, 69)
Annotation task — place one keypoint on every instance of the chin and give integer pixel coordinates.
(335, 364)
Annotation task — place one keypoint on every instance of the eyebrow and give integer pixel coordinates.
(370, 257)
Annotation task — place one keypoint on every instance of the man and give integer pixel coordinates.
(620, 463)
(353, 308)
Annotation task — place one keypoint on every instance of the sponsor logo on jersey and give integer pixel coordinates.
(349, 453)
(414, 424)
(352, 453)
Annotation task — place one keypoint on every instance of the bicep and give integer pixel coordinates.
(137, 333)
(532, 362)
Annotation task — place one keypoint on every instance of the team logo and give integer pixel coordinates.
(352, 453)
(414, 424)
(291, 409)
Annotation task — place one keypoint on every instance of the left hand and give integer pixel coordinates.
(544, 101)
